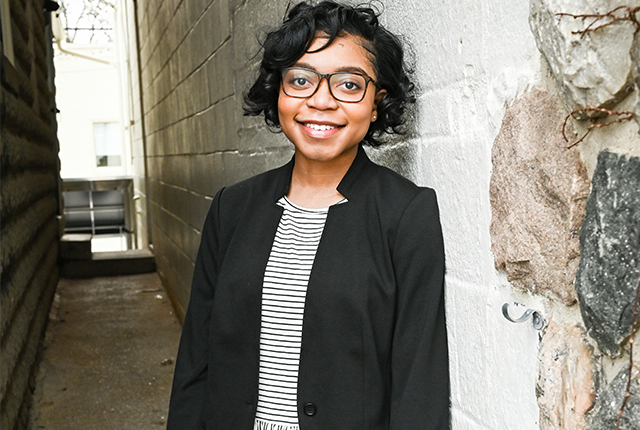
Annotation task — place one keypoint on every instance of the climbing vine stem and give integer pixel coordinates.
(622, 116)
(601, 20)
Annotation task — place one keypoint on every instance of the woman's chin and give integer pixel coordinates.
(325, 154)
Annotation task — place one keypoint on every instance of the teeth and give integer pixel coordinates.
(320, 127)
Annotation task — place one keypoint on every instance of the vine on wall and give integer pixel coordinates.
(622, 116)
(598, 21)
(601, 20)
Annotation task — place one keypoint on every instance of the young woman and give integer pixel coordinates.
(317, 298)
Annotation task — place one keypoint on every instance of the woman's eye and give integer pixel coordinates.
(299, 81)
(349, 85)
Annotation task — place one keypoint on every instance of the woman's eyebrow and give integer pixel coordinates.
(348, 69)
(304, 65)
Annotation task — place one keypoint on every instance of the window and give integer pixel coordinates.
(106, 136)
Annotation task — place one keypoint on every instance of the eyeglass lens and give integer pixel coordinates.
(347, 87)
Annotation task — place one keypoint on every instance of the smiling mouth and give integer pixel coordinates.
(320, 127)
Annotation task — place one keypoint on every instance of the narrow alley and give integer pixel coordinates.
(108, 358)
(120, 122)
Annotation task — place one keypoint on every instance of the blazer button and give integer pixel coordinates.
(310, 409)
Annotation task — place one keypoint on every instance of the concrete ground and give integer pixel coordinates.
(109, 356)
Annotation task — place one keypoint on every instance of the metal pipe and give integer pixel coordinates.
(58, 34)
(142, 122)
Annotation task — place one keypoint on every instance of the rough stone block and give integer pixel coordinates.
(607, 407)
(609, 267)
(565, 386)
(591, 69)
(538, 190)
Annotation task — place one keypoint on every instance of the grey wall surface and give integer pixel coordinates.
(197, 58)
(29, 228)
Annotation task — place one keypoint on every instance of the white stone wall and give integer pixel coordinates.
(471, 58)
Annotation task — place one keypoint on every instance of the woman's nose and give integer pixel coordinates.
(322, 98)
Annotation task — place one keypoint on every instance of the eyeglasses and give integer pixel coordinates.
(344, 86)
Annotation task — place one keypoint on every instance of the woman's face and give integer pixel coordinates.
(321, 127)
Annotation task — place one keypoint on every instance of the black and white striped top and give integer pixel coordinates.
(283, 295)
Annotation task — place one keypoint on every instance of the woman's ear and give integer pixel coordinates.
(379, 96)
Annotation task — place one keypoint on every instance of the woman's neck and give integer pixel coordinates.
(314, 183)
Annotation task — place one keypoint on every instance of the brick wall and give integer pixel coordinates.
(29, 228)
(194, 71)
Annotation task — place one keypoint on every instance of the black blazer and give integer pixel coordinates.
(374, 344)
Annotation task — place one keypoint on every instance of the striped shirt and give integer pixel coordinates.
(283, 295)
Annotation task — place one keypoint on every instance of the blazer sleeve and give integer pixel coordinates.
(188, 393)
(419, 361)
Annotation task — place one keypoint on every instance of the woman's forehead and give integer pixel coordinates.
(347, 50)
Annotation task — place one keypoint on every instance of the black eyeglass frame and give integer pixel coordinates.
(328, 76)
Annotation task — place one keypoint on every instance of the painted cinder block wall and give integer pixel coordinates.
(479, 70)
(194, 69)
(29, 227)
(472, 58)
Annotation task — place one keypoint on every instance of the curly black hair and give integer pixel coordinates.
(284, 46)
